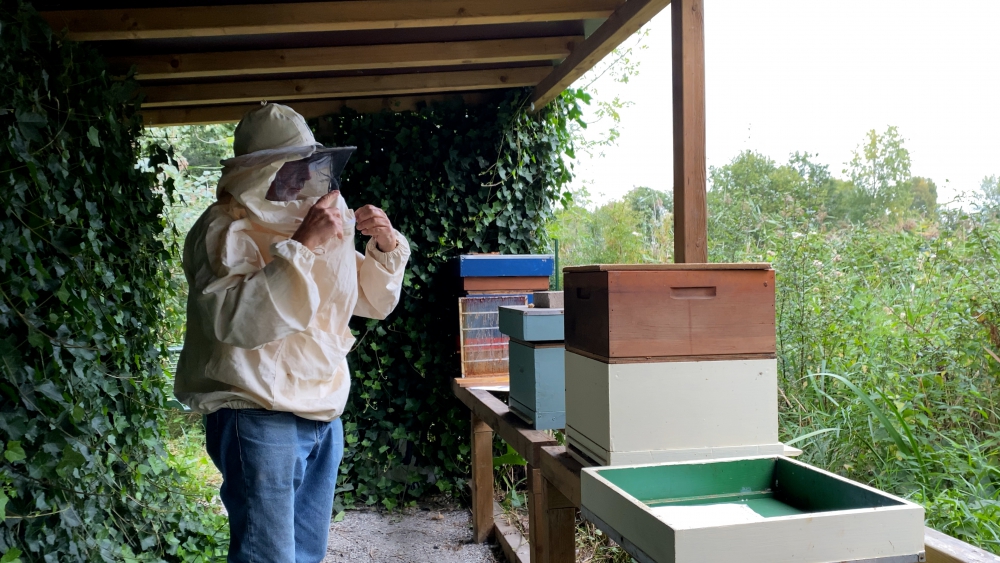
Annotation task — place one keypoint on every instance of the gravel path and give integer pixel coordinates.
(410, 536)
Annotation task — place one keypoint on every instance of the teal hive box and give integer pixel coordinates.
(531, 324)
(538, 383)
(753, 510)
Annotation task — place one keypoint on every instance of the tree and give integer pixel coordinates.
(655, 210)
(880, 170)
(989, 193)
(923, 194)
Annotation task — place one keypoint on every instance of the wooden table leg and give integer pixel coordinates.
(482, 480)
(560, 515)
(537, 521)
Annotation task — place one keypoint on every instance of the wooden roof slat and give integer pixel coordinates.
(342, 87)
(166, 117)
(253, 19)
(320, 59)
(625, 21)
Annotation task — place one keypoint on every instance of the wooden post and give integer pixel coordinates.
(482, 480)
(560, 515)
(690, 208)
(537, 521)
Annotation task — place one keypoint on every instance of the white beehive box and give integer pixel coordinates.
(755, 510)
(630, 413)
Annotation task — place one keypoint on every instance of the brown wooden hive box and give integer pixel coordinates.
(664, 312)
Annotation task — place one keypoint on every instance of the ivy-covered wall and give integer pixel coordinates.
(454, 180)
(83, 471)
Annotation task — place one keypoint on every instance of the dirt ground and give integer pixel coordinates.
(439, 535)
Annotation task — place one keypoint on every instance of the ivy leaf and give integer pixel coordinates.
(62, 293)
(4, 499)
(92, 136)
(14, 452)
(12, 555)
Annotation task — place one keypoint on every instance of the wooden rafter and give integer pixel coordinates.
(343, 87)
(165, 117)
(319, 59)
(625, 21)
(252, 19)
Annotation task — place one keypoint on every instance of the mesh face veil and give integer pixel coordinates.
(310, 177)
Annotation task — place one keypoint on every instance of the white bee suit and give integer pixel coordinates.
(267, 317)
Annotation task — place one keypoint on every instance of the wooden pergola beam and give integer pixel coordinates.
(360, 57)
(625, 21)
(687, 21)
(168, 117)
(253, 19)
(341, 87)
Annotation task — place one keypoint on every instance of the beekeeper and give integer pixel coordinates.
(274, 279)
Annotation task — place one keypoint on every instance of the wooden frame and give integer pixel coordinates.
(352, 57)
(625, 21)
(256, 19)
(341, 87)
(229, 113)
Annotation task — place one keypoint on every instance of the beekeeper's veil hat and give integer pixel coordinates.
(266, 139)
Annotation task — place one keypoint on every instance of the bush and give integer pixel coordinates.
(84, 475)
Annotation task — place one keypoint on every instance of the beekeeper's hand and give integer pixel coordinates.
(322, 222)
(373, 222)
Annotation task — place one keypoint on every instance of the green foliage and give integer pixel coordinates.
(195, 173)
(907, 321)
(988, 197)
(84, 475)
(453, 180)
(880, 172)
(636, 230)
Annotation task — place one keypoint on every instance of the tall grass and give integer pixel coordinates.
(887, 348)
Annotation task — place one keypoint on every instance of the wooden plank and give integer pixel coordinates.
(560, 516)
(514, 545)
(668, 267)
(253, 19)
(525, 440)
(690, 207)
(941, 548)
(625, 21)
(482, 480)
(354, 57)
(648, 359)
(512, 283)
(563, 471)
(486, 381)
(538, 527)
(341, 87)
(168, 117)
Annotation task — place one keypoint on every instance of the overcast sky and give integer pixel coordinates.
(809, 75)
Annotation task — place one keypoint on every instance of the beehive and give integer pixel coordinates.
(646, 412)
(670, 362)
(669, 311)
(537, 370)
(757, 510)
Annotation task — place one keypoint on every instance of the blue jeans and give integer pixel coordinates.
(279, 475)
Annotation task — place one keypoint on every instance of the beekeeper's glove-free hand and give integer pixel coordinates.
(373, 222)
(321, 223)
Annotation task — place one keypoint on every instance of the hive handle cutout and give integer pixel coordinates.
(583, 293)
(692, 292)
